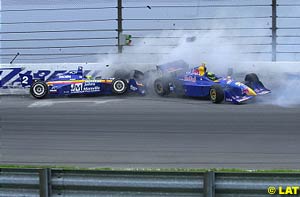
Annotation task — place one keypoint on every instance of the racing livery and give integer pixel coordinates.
(199, 83)
(74, 83)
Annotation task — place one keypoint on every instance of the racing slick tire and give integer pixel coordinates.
(216, 94)
(39, 89)
(119, 86)
(252, 78)
(161, 87)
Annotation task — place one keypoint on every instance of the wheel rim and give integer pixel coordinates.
(38, 89)
(213, 94)
(119, 86)
(159, 87)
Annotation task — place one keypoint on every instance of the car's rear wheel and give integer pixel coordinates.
(161, 87)
(216, 94)
(119, 86)
(39, 89)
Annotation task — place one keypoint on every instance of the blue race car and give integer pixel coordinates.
(74, 83)
(199, 83)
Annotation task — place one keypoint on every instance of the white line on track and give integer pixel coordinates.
(48, 103)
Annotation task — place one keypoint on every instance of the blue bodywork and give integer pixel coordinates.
(190, 83)
(75, 83)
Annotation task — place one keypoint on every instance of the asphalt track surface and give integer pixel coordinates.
(146, 132)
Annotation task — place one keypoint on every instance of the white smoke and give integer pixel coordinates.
(207, 47)
(219, 53)
(281, 77)
(287, 94)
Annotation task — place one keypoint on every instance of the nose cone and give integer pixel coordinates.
(250, 92)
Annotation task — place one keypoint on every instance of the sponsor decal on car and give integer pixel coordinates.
(91, 89)
(77, 88)
(88, 83)
(190, 78)
(82, 88)
(64, 77)
(53, 90)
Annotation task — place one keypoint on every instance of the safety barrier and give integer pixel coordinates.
(58, 182)
(267, 29)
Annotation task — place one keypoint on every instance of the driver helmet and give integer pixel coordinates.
(89, 77)
(202, 69)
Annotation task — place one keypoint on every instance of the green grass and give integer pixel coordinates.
(156, 169)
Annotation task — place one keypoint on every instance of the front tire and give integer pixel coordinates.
(39, 89)
(161, 87)
(216, 94)
(119, 86)
(252, 77)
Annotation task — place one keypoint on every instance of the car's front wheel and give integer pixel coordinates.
(119, 86)
(216, 94)
(39, 89)
(252, 79)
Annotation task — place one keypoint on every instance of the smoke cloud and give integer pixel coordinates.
(220, 53)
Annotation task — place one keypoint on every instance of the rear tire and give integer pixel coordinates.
(119, 86)
(216, 94)
(39, 89)
(161, 87)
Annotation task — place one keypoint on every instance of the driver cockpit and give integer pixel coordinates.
(202, 71)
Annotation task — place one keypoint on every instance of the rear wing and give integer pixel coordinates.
(177, 67)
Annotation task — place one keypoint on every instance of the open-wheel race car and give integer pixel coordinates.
(197, 82)
(75, 83)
